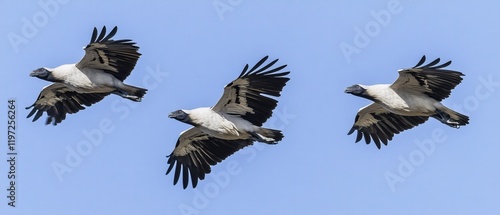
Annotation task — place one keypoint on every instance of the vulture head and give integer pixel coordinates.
(359, 90)
(42, 73)
(356, 90)
(181, 115)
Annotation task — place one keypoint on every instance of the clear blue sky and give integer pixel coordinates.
(192, 49)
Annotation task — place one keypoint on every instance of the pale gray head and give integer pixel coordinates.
(355, 90)
(358, 90)
(181, 115)
(42, 73)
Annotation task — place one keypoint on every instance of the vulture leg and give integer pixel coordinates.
(127, 96)
(445, 119)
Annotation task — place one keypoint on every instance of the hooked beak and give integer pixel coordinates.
(178, 115)
(348, 90)
(173, 114)
(38, 72)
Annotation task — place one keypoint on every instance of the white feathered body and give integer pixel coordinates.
(86, 80)
(221, 125)
(406, 103)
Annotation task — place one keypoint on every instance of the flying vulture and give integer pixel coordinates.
(233, 123)
(414, 97)
(99, 73)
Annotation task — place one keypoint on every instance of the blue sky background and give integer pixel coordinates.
(191, 50)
